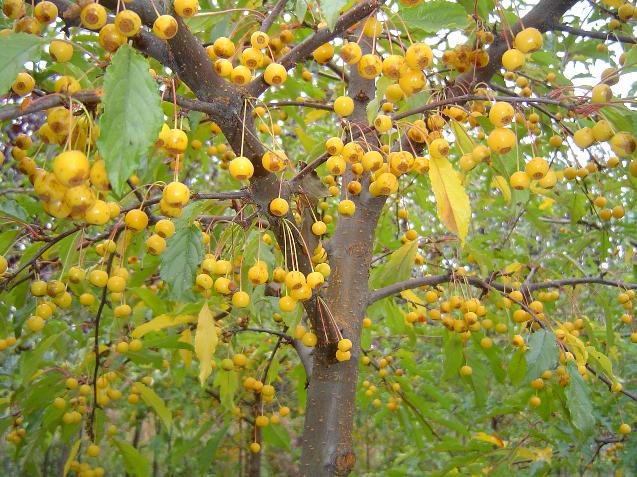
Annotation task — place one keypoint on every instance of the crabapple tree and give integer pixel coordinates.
(367, 237)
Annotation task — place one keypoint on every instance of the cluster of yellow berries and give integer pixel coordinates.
(406, 70)
(42, 15)
(262, 53)
(462, 58)
(17, 433)
(75, 405)
(526, 41)
(56, 294)
(383, 366)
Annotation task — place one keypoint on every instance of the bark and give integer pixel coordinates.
(327, 434)
(331, 401)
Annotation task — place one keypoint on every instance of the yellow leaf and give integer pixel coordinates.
(463, 139)
(413, 299)
(186, 354)
(490, 438)
(72, 454)
(205, 342)
(315, 115)
(452, 201)
(546, 203)
(577, 348)
(502, 184)
(535, 453)
(513, 268)
(307, 142)
(602, 360)
(161, 322)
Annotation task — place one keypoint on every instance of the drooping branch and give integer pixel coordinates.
(304, 49)
(474, 97)
(96, 345)
(38, 254)
(606, 36)
(434, 105)
(579, 281)
(51, 241)
(433, 280)
(608, 383)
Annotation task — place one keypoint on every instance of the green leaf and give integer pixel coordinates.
(479, 379)
(620, 116)
(180, 261)
(32, 360)
(433, 16)
(541, 355)
(228, 383)
(601, 361)
(463, 139)
(454, 356)
(132, 115)
(331, 11)
(300, 9)
(630, 63)
(205, 456)
(15, 50)
(578, 401)
(11, 208)
(427, 410)
(373, 106)
(483, 7)
(277, 436)
(578, 207)
(153, 400)
(398, 267)
(517, 367)
(151, 299)
(134, 462)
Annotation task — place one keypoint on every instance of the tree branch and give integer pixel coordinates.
(144, 41)
(39, 253)
(287, 338)
(49, 101)
(433, 280)
(577, 281)
(606, 36)
(303, 104)
(324, 35)
(273, 15)
(212, 108)
(608, 383)
(305, 355)
(96, 344)
(544, 16)
(362, 129)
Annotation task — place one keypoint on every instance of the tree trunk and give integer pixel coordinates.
(331, 402)
(327, 435)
